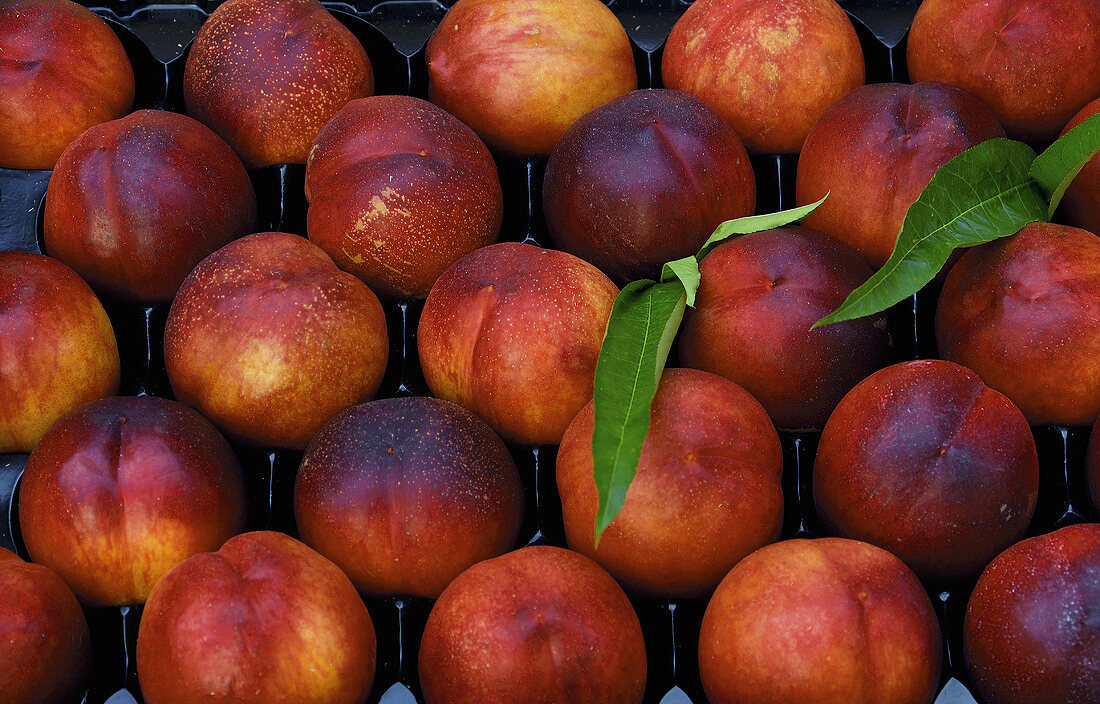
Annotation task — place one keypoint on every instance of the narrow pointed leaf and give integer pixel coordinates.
(981, 195)
(644, 320)
(756, 223)
(687, 271)
(1056, 167)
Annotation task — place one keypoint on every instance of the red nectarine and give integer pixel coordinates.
(540, 624)
(269, 340)
(512, 332)
(123, 489)
(63, 70)
(134, 204)
(264, 620)
(266, 75)
(768, 66)
(521, 71)
(398, 191)
(57, 347)
(706, 492)
(829, 621)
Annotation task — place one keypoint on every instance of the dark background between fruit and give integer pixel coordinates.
(157, 38)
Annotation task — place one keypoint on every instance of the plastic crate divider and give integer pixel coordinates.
(139, 330)
(21, 196)
(1063, 487)
(671, 631)
(269, 487)
(403, 375)
(114, 632)
(521, 183)
(399, 625)
(280, 197)
(11, 471)
(542, 518)
(799, 517)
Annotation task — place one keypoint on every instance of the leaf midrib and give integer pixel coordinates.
(897, 262)
(633, 395)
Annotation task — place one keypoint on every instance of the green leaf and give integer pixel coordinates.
(1055, 168)
(980, 195)
(756, 223)
(643, 323)
(687, 271)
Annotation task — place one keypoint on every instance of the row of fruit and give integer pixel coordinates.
(279, 340)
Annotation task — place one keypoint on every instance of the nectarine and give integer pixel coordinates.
(63, 70)
(926, 461)
(706, 492)
(266, 75)
(264, 620)
(1022, 312)
(521, 71)
(768, 66)
(1033, 62)
(759, 296)
(269, 340)
(398, 191)
(540, 624)
(1032, 629)
(512, 332)
(44, 644)
(123, 489)
(644, 180)
(894, 137)
(134, 204)
(57, 347)
(403, 494)
(829, 621)
(1081, 204)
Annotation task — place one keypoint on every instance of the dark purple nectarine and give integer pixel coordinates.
(758, 297)
(398, 191)
(266, 75)
(706, 493)
(62, 70)
(264, 620)
(512, 332)
(829, 621)
(540, 624)
(768, 66)
(521, 71)
(404, 494)
(1032, 629)
(57, 347)
(926, 461)
(134, 204)
(268, 339)
(1022, 312)
(644, 180)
